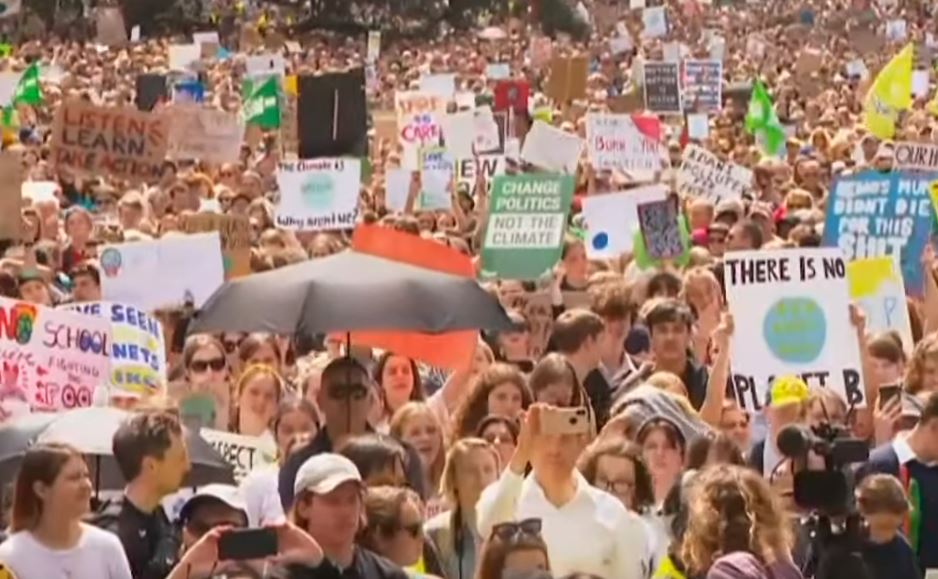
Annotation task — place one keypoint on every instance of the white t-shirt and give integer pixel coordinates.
(261, 497)
(98, 555)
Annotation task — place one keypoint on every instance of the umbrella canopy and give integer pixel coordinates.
(91, 431)
(350, 291)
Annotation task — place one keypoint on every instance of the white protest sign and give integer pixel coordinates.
(488, 165)
(792, 319)
(876, 285)
(374, 45)
(210, 135)
(611, 219)
(40, 191)
(703, 174)
(419, 118)
(485, 131)
(262, 65)
(442, 85)
(138, 349)
(396, 188)
(8, 84)
(458, 133)
(916, 156)
(698, 126)
(620, 44)
(318, 194)
(636, 4)
(135, 34)
(655, 21)
(135, 273)
(857, 68)
(50, 359)
(436, 178)
(552, 149)
(183, 56)
(208, 37)
(896, 30)
(244, 453)
(623, 142)
(498, 71)
(920, 82)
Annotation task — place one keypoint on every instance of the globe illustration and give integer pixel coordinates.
(317, 192)
(795, 330)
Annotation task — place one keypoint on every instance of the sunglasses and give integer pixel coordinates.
(347, 391)
(200, 366)
(509, 532)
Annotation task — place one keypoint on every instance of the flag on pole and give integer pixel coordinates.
(762, 122)
(28, 91)
(891, 93)
(262, 103)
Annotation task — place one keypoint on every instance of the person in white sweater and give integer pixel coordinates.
(49, 541)
(586, 530)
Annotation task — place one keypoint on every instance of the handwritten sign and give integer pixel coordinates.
(244, 453)
(628, 143)
(138, 352)
(318, 194)
(876, 285)
(121, 142)
(703, 85)
(419, 118)
(797, 323)
(662, 87)
(917, 156)
(235, 232)
(703, 174)
(50, 360)
(205, 134)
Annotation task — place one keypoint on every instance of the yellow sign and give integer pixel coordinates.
(934, 195)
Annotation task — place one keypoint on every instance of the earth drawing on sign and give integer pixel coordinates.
(795, 330)
(317, 191)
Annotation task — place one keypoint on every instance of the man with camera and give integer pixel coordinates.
(586, 530)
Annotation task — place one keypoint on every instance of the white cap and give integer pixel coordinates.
(321, 474)
(228, 494)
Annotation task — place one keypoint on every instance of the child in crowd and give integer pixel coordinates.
(884, 506)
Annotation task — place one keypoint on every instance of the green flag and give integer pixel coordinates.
(762, 122)
(28, 91)
(262, 103)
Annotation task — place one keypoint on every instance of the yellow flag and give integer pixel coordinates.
(891, 92)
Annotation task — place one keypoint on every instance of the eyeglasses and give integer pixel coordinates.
(617, 487)
(509, 532)
(200, 366)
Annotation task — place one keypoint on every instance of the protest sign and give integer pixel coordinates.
(488, 165)
(50, 359)
(703, 85)
(110, 27)
(419, 118)
(660, 229)
(121, 142)
(512, 95)
(876, 286)
(662, 84)
(138, 351)
(629, 143)
(189, 92)
(567, 79)
(168, 272)
(318, 194)
(259, 66)
(441, 85)
(703, 174)
(873, 214)
(436, 178)
(552, 149)
(244, 453)
(612, 218)
(698, 126)
(202, 405)
(205, 134)
(655, 22)
(374, 45)
(183, 57)
(916, 156)
(397, 188)
(526, 223)
(793, 303)
(235, 233)
(11, 195)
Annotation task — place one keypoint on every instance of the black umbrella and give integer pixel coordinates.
(350, 291)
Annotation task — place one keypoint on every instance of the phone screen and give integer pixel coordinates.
(244, 544)
(888, 393)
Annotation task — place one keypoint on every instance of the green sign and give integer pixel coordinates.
(526, 224)
(262, 103)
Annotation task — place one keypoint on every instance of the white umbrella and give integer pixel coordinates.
(90, 430)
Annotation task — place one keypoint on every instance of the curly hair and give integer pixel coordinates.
(588, 465)
(732, 508)
(925, 350)
(475, 406)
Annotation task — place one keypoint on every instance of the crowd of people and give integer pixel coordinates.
(612, 451)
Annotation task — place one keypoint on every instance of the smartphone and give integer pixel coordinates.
(565, 420)
(244, 544)
(887, 393)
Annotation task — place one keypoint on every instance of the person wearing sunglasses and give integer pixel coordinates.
(586, 530)
(204, 361)
(514, 549)
(394, 526)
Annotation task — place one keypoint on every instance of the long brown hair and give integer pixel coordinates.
(915, 373)
(475, 406)
(43, 463)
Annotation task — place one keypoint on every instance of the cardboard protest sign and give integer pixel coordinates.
(526, 224)
(138, 350)
(611, 219)
(135, 273)
(703, 85)
(661, 231)
(662, 84)
(50, 359)
(11, 199)
(243, 453)
(872, 214)
(419, 124)
(112, 31)
(121, 142)
(235, 233)
(551, 148)
(567, 79)
(436, 178)
(318, 194)
(916, 156)
(209, 135)
(629, 143)
(332, 115)
(703, 174)
(794, 304)
(876, 286)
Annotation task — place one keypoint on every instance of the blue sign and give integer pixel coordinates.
(189, 92)
(874, 214)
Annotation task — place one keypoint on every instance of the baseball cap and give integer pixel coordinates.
(227, 494)
(323, 473)
(787, 390)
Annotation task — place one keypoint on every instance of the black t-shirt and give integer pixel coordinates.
(150, 541)
(891, 560)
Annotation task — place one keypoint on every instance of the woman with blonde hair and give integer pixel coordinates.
(737, 527)
(471, 465)
(257, 394)
(417, 424)
(922, 372)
